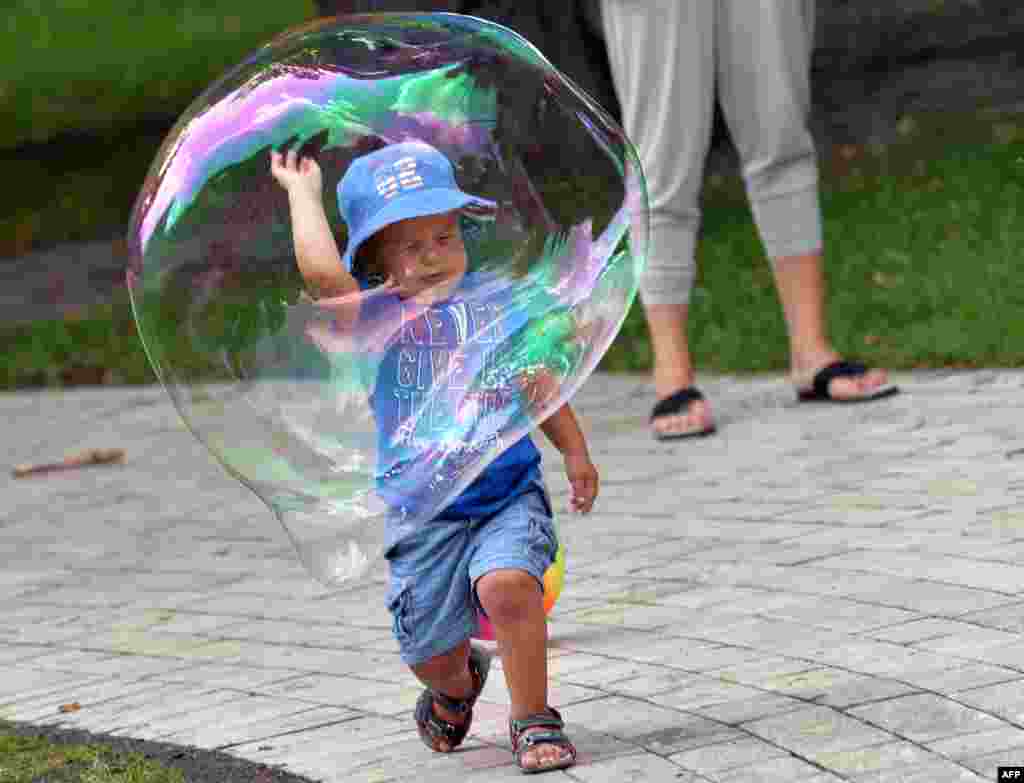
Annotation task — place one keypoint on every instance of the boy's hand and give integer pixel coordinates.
(540, 386)
(295, 174)
(583, 479)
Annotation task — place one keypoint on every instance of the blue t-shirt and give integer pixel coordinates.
(440, 401)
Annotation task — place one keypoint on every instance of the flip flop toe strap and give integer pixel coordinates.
(676, 403)
(827, 374)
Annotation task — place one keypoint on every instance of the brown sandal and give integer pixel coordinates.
(521, 742)
(434, 729)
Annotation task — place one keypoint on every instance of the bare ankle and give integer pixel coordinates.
(666, 384)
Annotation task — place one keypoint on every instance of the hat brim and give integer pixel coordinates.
(421, 203)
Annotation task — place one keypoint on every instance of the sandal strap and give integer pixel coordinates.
(433, 728)
(541, 720)
(458, 706)
(522, 742)
(542, 738)
(837, 369)
(551, 719)
(676, 403)
(479, 663)
(438, 727)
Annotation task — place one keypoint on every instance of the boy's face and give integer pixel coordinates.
(424, 256)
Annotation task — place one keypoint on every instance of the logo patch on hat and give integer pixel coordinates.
(400, 176)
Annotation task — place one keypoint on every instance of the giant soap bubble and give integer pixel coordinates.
(286, 393)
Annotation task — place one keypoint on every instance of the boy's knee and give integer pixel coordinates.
(508, 594)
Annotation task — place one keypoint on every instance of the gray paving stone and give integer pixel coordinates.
(660, 730)
(919, 630)
(225, 676)
(987, 765)
(329, 635)
(475, 762)
(613, 671)
(836, 687)
(906, 663)
(893, 758)
(102, 662)
(862, 689)
(940, 772)
(145, 713)
(634, 768)
(334, 749)
(1005, 699)
(87, 692)
(246, 728)
(720, 756)
(246, 719)
(1009, 655)
(973, 642)
(924, 717)
(626, 615)
(980, 743)
(750, 708)
(370, 696)
(695, 692)
(22, 682)
(961, 677)
(776, 770)
(756, 593)
(996, 577)
(817, 730)
(781, 674)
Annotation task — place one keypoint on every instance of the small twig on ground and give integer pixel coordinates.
(79, 460)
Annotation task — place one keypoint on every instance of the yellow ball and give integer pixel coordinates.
(554, 580)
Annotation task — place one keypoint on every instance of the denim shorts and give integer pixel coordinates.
(433, 572)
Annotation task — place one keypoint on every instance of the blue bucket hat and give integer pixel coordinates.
(398, 182)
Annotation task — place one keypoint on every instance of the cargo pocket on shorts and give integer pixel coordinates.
(399, 603)
(543, 544)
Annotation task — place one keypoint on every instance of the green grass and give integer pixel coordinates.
(73, 65)
(77, 194)
(923, 243)
(29, 759)
(96, 84)
(101, 346)
(923, 248)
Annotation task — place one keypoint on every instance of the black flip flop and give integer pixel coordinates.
(676, 404)
(842, 369)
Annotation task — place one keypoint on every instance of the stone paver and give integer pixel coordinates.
(816, 594)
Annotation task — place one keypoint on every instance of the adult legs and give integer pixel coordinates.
(662, 59)
(764, 57)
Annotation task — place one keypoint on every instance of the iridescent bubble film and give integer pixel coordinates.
(286, 397)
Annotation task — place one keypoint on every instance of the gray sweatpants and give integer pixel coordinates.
(667, 57)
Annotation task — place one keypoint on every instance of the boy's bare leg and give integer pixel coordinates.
(514, 602)
(448, 674)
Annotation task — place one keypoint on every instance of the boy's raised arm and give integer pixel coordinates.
(316, 252)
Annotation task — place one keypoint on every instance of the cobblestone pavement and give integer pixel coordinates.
(817, 593)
